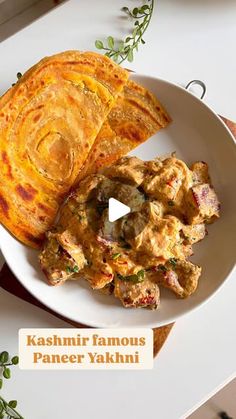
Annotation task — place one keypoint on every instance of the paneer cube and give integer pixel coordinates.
(181, 277)
(56, 263)
(203, 204)
(200, 173)
(132, 169)
(141, 294)
(194, 233)
(165, 184)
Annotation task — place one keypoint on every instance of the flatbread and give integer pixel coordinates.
(48, 123)
(136, 116)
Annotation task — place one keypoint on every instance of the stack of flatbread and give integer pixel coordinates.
(68, 116)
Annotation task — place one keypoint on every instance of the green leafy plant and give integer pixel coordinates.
(7, 409)
(123, 50)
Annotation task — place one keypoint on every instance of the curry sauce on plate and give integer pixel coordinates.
(148, 248)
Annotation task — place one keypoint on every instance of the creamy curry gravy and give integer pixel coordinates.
(147, 248)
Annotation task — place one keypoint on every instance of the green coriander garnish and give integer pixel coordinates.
(135, 278)
(162, 268)
(121, 50)
(72, 269)
(116, 256)
(173, 261)
(141, 273)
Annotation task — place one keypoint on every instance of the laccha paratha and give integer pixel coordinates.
(136, 116)
(48, 123)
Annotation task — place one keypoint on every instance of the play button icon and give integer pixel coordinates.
(116, 210)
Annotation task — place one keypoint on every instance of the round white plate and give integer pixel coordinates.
(196, 133)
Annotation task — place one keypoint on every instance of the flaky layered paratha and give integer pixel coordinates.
(136, 116)
(48, 123)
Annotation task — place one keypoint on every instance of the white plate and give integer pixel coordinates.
(196, 133)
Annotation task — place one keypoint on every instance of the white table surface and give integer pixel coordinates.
(187, 40)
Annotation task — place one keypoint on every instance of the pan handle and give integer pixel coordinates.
(199, 83)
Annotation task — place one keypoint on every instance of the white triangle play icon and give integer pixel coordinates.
(116, 209)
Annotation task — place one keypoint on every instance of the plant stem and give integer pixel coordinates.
(13, 410)
(119, 51)
(145, 28)
(6, 365)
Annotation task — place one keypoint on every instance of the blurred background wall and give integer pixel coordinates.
(16, 14)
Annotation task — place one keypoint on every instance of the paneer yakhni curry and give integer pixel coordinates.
(149, 247)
